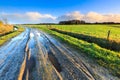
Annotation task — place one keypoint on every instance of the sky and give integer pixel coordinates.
(41, 11)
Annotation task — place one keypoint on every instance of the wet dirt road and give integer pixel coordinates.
(34, 55)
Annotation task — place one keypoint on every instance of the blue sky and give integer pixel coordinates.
(58, 8)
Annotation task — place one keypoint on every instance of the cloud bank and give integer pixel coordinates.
(36, 17)
(28, 17)
(71, 16)
(91, 17)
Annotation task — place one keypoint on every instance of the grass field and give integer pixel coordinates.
(99, 31)
(93, 34)
(104, 57)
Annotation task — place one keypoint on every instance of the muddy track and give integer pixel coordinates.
(11, 57)
(67, 63)
(34, 55)
(54, 61)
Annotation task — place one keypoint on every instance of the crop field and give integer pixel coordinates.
(104, 57)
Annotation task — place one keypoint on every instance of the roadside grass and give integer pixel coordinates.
(6, 37)
(5, 29)
(104, 57)
(102, 42)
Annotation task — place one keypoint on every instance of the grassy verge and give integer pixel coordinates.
(5, 29)
(108, 44)
(104, 57)
(6, 37)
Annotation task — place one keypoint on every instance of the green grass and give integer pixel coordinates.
(99, 31)
(5, 38)
(102, 42)
(93, 33)
(104, 57)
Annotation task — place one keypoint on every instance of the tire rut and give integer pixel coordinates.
(68, 63)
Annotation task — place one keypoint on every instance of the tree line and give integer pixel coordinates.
(83, 22)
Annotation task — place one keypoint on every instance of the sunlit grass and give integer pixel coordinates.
(102, 42)
(99, 31)
(5, 38)
(5, 29)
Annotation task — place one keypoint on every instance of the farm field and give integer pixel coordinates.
(99, 31)
(97, 34)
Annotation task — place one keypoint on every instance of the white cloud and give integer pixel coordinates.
(96, 17)
(70, 16)
(36, 17)
(28, 17)
(91, 17)
(112, 17)
(33, 15)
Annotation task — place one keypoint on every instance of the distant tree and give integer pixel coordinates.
(83, 22)
(108, 23)
(72, 22)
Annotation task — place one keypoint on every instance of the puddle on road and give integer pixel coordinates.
(31, 35)
(54, 61)
(21, 36)
(51, 56)
(38, 34)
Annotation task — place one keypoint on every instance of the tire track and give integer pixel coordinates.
(71, 67)
(9, 69)
(60, 58)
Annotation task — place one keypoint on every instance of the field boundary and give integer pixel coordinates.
(102, 42)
